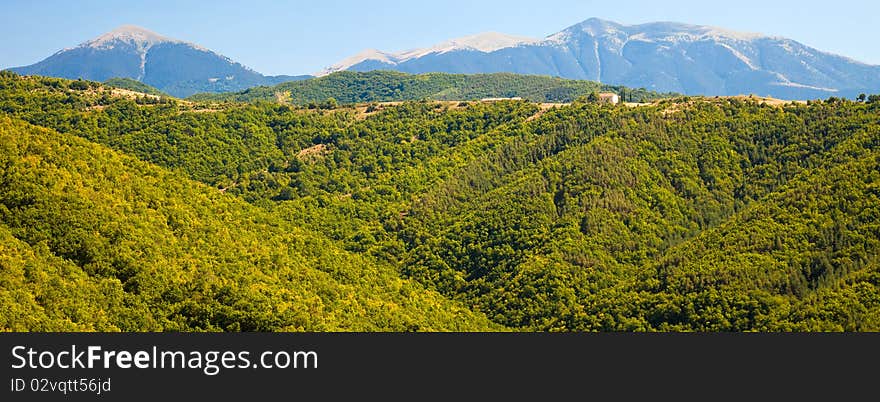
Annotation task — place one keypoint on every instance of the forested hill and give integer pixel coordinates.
(390, 86)
(688, 214)
(133, 85)
(94, 240)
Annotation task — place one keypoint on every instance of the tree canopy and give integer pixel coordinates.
(688, 214)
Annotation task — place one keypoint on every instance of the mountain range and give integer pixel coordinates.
(661, 56)
(173, 66)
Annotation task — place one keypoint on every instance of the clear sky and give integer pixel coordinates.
(301, 37)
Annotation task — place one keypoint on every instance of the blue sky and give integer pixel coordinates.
(288, 37)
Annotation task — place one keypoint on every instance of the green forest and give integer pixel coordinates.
(390, 86)
(259, 212)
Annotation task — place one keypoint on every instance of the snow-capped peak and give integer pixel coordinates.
(140, 37)
(649, 32)
(486, 42)
(369, 54)
(132, 38)
(726, 33)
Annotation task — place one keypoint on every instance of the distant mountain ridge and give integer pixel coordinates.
(660, 56)
(173, 66)
(485, 42)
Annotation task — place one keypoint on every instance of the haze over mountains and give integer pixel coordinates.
(661, 56)
(176, 67)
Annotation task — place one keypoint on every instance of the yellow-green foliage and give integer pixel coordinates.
(104, 241)
(687, 215)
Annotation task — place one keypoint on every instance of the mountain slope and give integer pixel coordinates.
(801, 241)
(485, 42)
(94, 240)
(563, 230)
(665, 57)
(688, 214)
(173, 66)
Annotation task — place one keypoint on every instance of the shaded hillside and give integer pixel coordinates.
(564, 230)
